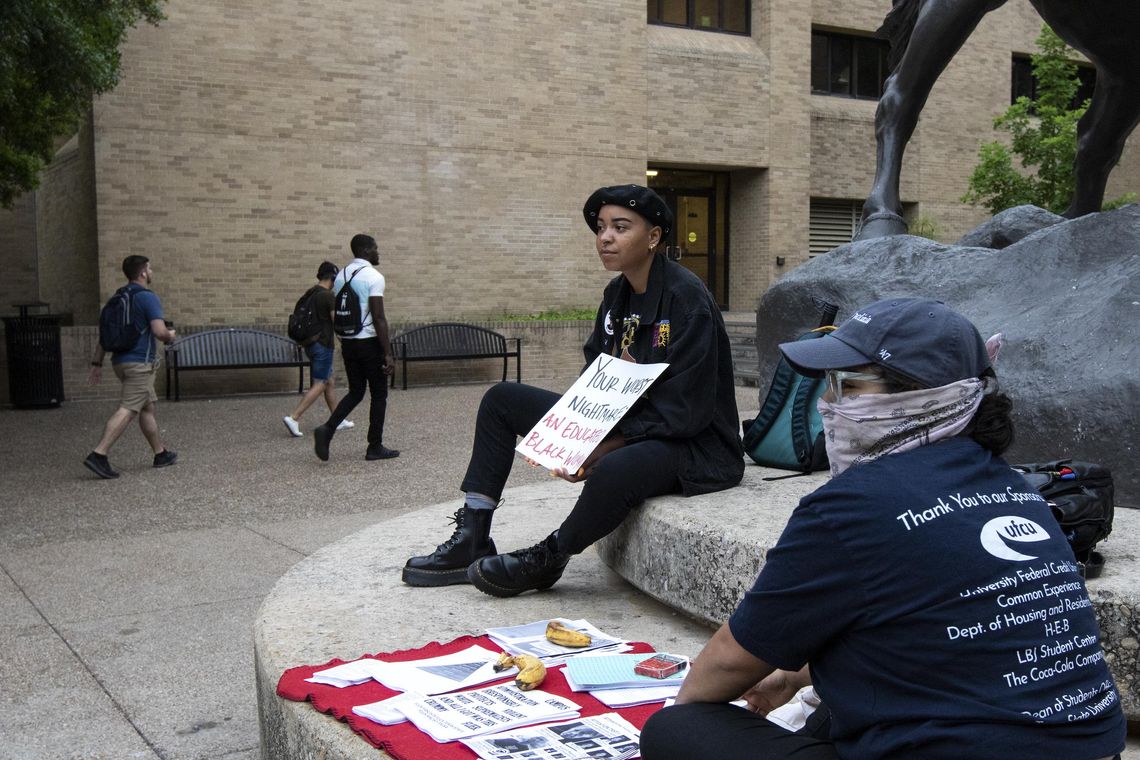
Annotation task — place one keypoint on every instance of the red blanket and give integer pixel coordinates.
(404, 741)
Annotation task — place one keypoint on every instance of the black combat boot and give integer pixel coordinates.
(538, 568)
(448, 563)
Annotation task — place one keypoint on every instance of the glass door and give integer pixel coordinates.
(695, 235)
(699, 239)
(693, 240)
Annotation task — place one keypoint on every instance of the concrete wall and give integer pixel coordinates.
(66, 231)
(48, 246)
(18, 253)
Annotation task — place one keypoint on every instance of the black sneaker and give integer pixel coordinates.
(322, 434)
(100, 465)
(380, 452)
(165, 458)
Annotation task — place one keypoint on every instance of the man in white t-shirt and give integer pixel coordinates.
(367, 355)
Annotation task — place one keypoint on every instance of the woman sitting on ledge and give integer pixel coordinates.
(682, 436)
(927, 587)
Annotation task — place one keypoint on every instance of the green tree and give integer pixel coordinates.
(55, 55)
(1043, 137)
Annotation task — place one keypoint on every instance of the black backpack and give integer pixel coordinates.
(788, 432)
(347, 317)
(304, 324)
(1080, 496)
(118, 329)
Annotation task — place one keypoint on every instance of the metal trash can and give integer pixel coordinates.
(35, 358)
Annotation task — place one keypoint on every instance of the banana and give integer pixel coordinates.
(557, 633)
(531, 670)
(505, 662)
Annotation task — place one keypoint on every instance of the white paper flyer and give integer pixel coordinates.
(595, 403)
(606, 737)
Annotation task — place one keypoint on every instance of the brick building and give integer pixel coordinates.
(248, 141)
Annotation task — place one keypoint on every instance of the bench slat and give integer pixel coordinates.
(232, 348)
(454, 340)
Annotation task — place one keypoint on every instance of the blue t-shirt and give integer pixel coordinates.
(941, 611)
(145, 306)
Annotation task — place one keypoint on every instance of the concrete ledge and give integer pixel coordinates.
(701, 554)
(696, 555)
(346, 600)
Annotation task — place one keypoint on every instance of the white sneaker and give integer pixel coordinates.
(345, 425)
(294, 428)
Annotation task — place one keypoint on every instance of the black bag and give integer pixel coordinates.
(304, 324)
(1080, 495)
(347, 317)
(118, 329)
(788, 432)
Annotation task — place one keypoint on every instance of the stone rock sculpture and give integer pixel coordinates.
(1066, 296)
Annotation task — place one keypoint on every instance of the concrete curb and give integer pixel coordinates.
(347, 599)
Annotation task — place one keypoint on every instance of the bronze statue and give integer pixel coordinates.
(925, 35)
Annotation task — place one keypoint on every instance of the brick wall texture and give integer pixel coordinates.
(243, 147)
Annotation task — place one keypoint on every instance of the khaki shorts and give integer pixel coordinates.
(138, 384)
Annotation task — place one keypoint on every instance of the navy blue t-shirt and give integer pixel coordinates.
(941, 611)
(145, 306)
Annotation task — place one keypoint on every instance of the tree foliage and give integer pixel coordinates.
(54, 56)
(1043, 137)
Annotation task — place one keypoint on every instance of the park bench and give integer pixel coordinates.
(444, 341)
(233, 348)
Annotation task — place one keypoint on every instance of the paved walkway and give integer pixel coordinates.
(126, 606)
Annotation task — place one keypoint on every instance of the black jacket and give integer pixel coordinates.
(694, 400)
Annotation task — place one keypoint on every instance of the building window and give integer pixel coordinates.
(710, 15)
(1024, 84)
(831, 223)
(848, 66)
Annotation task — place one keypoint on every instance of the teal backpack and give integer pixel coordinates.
(788, 432)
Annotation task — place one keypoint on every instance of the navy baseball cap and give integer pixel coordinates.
(918, 338)
(634, 197)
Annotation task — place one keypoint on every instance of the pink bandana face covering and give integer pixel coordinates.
(862, 428)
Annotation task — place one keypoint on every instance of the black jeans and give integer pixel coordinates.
(727, 732)
(364, 364)
(622, 479)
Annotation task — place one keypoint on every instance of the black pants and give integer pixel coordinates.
(622, 479)
(727, 732)
(364, 365)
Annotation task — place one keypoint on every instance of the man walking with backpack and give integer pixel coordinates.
(358, 318)
(312, 327)
(128, 327)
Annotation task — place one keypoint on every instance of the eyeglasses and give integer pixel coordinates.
(836, 378)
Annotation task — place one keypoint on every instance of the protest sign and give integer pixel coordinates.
(595, 403)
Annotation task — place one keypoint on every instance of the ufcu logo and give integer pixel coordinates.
(1017, 529)
(1014, 530)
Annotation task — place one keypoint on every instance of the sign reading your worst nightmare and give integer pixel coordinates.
(586, 413)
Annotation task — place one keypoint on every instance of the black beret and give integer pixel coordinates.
(640, 199)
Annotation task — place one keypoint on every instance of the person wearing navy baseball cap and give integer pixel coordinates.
(921, 339)
(682, 436)
(922, 603)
